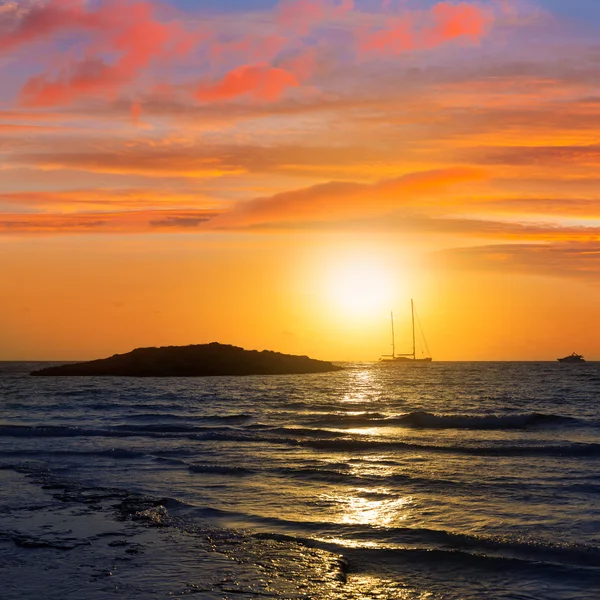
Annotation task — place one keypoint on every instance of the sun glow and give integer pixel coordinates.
(360, 288)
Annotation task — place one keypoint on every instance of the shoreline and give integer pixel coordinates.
(61, 536)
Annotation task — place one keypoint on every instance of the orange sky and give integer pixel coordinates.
(283, 175)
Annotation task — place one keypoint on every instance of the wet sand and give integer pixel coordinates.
(61, 541)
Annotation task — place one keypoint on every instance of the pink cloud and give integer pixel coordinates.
(44, 20)
(458, 20)
(130, 29)
(421, 30)
(261, 82)
(121, 42)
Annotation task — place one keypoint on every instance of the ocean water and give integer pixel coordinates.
(444, 480)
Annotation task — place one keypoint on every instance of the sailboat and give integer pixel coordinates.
(412, 357)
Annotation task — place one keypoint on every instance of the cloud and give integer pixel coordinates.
(316, 91)
(34, 22)
(510, 230)
(419, 203)
(108, 199)
(261, 82)
(453, 21)
(422, 30)
(191, 158)
(560, 207)
(572, 259)
(147, 162)
(115, 222)
(135, 35)
(14, 127)
(536, 155)
(410, 220)
(346, 200)
(189, 221)
(121, 48)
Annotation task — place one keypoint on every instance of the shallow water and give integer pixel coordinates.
(446, 480)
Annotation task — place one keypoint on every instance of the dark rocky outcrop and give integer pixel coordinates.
(192, 361)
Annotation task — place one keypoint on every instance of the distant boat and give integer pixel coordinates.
(572, 358)
(412, 357)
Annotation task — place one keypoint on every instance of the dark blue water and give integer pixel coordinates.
(447, 480)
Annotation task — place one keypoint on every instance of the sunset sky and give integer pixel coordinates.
(282, 175)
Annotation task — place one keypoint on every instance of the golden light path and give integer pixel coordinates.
(383, 511)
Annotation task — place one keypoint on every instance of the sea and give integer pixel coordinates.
(403, 481)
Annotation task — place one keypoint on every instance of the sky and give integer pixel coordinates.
(284, 174)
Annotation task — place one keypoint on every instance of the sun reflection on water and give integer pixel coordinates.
(377, 512)
(348, 543)
(375, 431)
(377, 587)
(362, 387)
(374, 507)
(356, 397)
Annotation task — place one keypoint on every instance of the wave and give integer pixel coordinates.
(341, 474)
(395, 541)
(306, 473)
(335, 419)
(118, 453)
(454, 562)
(365, 444)
(164, 428)
(241, 417)
(426, 420)
(220, 470)
(368, 546)
(170, 461)
(573, 554)
(304, 432)
(370, 479)
(328, 441)
(58, 431)
(235, 418)
(321, 475)
(150, 430)
(360, 445)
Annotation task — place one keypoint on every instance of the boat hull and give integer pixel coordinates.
(573, 359)
(404, 359)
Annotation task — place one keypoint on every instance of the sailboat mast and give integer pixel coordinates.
(412, 310)
(393, 337)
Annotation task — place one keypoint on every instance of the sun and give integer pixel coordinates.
(360, 287)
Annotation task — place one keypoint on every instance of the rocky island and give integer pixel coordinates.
(203, 360)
